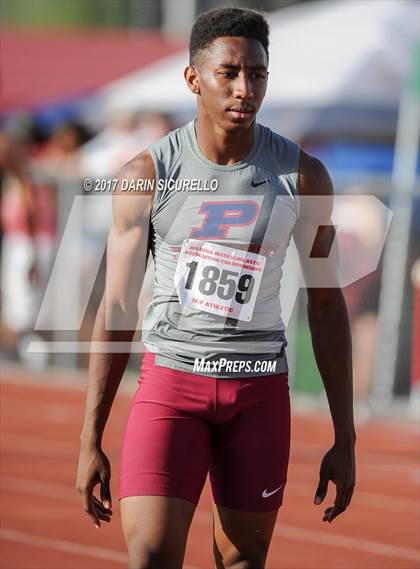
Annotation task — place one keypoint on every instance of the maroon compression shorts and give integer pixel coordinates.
(182, 425)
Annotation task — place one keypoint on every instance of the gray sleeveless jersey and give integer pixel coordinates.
(219, 238)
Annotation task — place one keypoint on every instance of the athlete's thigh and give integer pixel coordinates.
(165, 452)
(248, 472)
(250, 452)
(156, 529)
(164, 463)
(166, 446)
(240, 536)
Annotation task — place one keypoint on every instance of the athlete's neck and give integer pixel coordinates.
(223, 147)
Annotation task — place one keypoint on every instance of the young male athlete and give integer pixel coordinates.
(225, 195)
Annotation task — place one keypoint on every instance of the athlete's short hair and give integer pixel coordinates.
(227, 22)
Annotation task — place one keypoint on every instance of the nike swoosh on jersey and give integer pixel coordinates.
(267, 494)
(256, 184)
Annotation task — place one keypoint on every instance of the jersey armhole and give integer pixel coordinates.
(159, 175)
(293, 178)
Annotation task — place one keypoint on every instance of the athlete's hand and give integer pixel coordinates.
(338, 465)
(94, 468)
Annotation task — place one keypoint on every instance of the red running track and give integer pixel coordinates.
(43, 525)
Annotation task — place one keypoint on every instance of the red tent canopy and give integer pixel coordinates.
(40, 67)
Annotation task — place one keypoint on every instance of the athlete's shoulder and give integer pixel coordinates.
(133, 198)
(314, 179)
(139, 167)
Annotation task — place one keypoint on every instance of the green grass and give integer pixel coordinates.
(306, 376)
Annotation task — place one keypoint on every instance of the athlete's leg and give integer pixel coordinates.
(164, 463)
(156, 530)
(248, 471)
(241, 539)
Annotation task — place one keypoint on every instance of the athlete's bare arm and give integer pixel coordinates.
(329, 324)
(115, 323)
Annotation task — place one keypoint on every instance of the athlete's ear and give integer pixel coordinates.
(191, 78)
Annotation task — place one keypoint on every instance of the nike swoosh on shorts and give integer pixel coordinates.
(267, 494)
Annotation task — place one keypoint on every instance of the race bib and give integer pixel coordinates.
(218, 279)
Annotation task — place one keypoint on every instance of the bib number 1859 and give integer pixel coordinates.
(222, 282)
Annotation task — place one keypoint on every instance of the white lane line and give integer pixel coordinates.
(54, 382)
(66, 492)
(361, 498)
(366, 472)
(281, 530)
(364, 463)
(68, 546)
(38, 488)
(346, 542)
(62, 380)
(59, 379)
(303, 455)
(45, 412)
(332, 539)
(308, 452)
(38, 446)
(64, 546)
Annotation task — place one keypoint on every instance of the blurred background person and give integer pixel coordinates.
(28, 220)
(101, 158)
